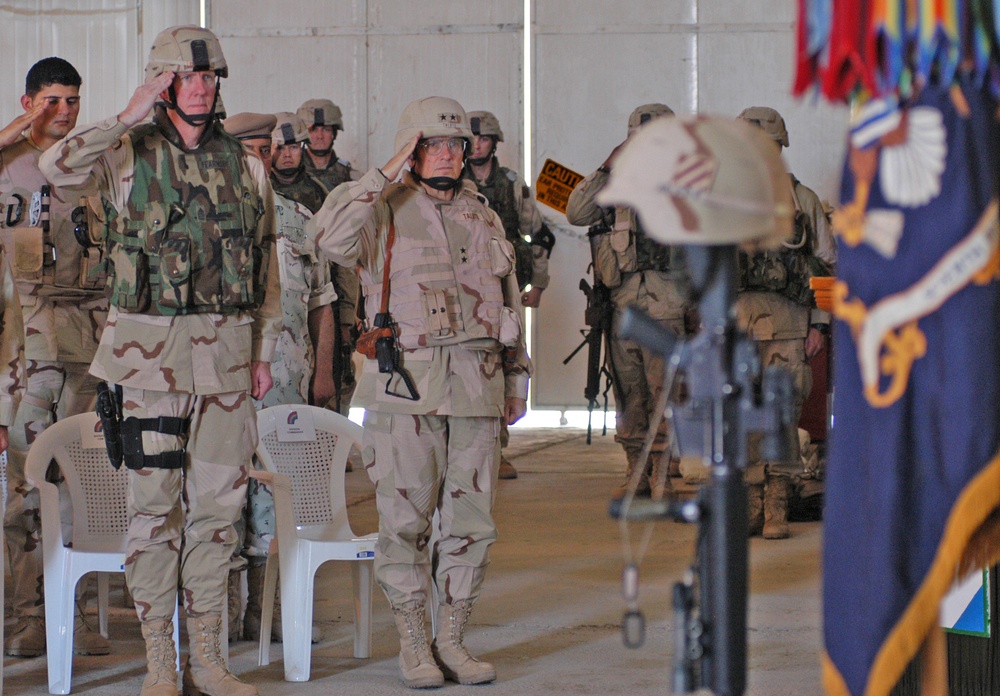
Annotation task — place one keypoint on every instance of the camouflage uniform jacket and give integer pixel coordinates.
(302, 188)
(770, 316)
(453, 294)
(194, 353)
(46, 338)
(523, 209)
(336, 172)
(12, 378)
(305, 286)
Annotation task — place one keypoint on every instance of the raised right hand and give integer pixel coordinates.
(395, 165)
(144, 98)
(13, 130)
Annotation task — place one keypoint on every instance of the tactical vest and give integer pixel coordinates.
(47, 232)
(188, 240)
(333, 175)
(785, 270)
(499, 190)
(445, 281)
(304, 189)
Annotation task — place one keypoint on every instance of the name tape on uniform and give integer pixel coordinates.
(554, 184)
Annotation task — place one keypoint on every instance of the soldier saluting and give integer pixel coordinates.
(193, 324)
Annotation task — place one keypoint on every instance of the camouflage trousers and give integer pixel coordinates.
(791, 355)
(435, 483)
(637, 373)
(55, 390)
(181, 533)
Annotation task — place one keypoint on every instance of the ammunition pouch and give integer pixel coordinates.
(368, 341)
(785, 272)
(545, 239)
(135, 458)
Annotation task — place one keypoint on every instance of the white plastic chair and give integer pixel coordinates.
(307, 480)
(100, 520)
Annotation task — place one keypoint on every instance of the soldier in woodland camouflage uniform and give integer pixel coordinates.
(190, 337)
(301, 369)
(453, 364)
(513, 201)
(776, 308)
(641, 272)
(324, 120)
(64, 309)
(288, 171)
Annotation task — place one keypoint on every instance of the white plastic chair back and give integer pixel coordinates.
(307, 480)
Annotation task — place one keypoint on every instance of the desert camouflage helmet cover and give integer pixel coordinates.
(703, 180)
(485, 123)
(186, 49)
(434, 117)
(645, 113)
(768, 120)
(289, 129)
(321, 112)
(249, 126)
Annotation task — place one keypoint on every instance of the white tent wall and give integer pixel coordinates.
(592, 62)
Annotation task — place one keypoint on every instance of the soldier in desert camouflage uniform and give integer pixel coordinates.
(511, 199)
(190, 337)
(777, 309)
(301, 369)
(288, 171)
(449, 364)
(64, 309)
(324, 120)
(641, 272)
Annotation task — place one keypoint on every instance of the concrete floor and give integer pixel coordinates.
(549, 615)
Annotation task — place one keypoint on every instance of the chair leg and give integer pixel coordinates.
(102, 603)
(362, 577)
(267, 609)
(60, 607)
(296, 617)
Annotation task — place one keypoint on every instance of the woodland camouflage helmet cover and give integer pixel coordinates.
(289, 129)
(186, 49)
(485, 123)
(703, 180)
(321, 112)
(768, 120)
(434, 117)
(645, 113)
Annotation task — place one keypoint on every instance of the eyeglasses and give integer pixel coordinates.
(434, 146)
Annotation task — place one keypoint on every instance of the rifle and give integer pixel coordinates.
(598, 318)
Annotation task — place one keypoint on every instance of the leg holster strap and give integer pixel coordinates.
(132, 430)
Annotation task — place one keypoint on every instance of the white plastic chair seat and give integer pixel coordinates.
(307, 480)
(100, 521)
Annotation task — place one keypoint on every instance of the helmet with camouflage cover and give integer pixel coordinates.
(434, 117)
(485, 123)
(186, 49)
(768, 120)
(321, 112)
(289, 129)
(703, 180)
(645, 113)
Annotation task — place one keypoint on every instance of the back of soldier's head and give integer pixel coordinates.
(768, 120)
(50, 71)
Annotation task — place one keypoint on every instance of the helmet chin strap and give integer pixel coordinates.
(288, 172)
(194, 119)
(321, 153)
(480, 161)
(438, 183)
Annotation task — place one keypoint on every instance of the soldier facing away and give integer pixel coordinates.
(190, 337)
(64, 309)
(638, 271)
(445, 361)
(777, 309)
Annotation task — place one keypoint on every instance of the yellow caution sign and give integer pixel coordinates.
(554, 184)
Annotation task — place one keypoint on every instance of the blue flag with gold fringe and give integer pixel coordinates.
(913, 478)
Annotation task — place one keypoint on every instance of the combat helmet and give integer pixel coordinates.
(645, 113)
(186, 49)
(703, 180)
(289, 129)
(321, 112)
(485, 123)
(434, 117)
(768, 120)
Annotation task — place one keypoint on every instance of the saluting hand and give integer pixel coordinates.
(144, 98)
(395, 165)
(14, 129)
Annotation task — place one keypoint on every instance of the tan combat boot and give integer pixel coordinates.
(27, 638)
(633, 470)
(660, 485)
(161, 658)
(87, 641)
(455, 661)
(234, 604)
(255, 592)
(206, 673)
(416, 664)
(507, 470)
(776, 507)
(755, 509)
